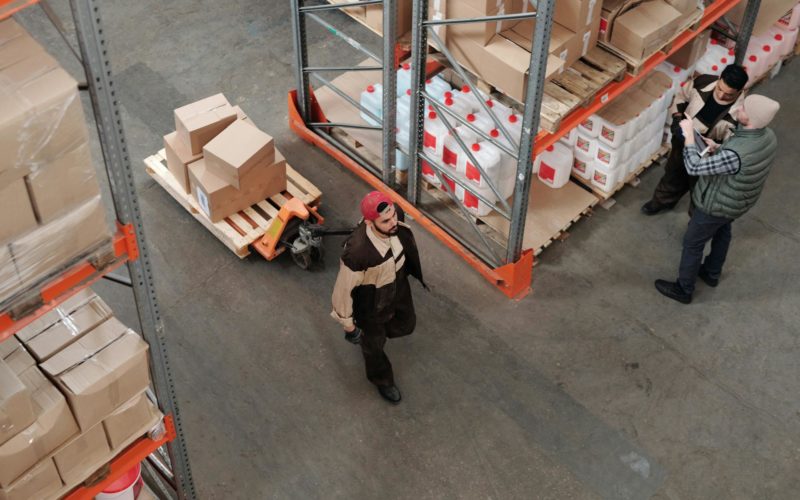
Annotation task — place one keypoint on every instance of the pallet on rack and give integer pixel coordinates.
(635, 64)
(629, 179)
(241, 229)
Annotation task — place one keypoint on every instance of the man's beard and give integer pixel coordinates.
(391, 232)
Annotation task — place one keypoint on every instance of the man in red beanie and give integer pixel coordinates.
(372, 297)
(729, 183)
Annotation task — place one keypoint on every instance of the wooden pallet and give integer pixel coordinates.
(635, 65)
(630, 179)
(241, 229)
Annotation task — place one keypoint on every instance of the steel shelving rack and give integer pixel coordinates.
(511, 273)
(167, 450)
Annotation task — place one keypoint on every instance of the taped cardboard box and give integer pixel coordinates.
(58, 186)
(54, 315)
(8, 346)
(50, 247)
(480, 32)
(645, 28)
(9, 279)
(374, 17)
(564, 43)
(236, 151)
(100, 371)
(16, 212)
(19, 360)
(82, 456)
(54, 425)
(577, 15)
(69, 329)
(199, 122)
(179, 156)
(690, 53)
(39, 482)
(218, 199)
(685, 7)
(16, 404)
(133, 419)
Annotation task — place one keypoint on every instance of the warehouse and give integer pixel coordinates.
(175, 207)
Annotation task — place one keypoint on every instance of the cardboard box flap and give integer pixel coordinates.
(20, 360)
(94, 373)
(9, 29)
(54, 315)
(518, 58)
(70, 328)
(191, 110)
(239, 143)
(82, 349)
(40, 481)
(8, 346)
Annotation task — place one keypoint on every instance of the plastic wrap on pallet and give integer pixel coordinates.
(50, 210)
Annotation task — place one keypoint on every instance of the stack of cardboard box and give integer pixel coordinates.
(639, 28)
(500, 52)
(50, 207)
(221, 159)
(72, 397)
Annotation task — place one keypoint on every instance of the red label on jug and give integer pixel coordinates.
(470, 200)
(547, 173)
(473, 173)
(607, 133)
(579, 166)
(451, 184)
(429, 140)
(449, 157)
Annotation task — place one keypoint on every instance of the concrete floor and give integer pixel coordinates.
(594, 386)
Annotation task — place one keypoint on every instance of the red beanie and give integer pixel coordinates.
(369, 205)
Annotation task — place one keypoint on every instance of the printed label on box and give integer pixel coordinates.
(588, 124)
(579, 166)
(600, 178)
(607, 133)
(604, 156)
(202, 200)
(583, 144)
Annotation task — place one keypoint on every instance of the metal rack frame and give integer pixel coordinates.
(130, 246)
(511, 273)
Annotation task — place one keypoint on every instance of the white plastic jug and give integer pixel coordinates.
(401, 160)
(403, 78)
(458, 104)
(508, 166)
(716, 50)
(555, 165)
(436, 87)
(488, 157)
(608, 156)
(770, 54)
(500, 110)
(434, 135)
(590, 126)
(612, 134)
(372, 100)
(755, 67)
(709, 66)
(583, 165)
(605, 178)
(570, 138)
(452, 152)
(404, 109)
(586, 144)
(784, 39)
(470, 97)
(472, 203)
(481, 121)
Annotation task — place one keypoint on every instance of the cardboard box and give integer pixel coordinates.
(72, 327)
(62, 184)
(577, 15)
(8, 346)
(16, 404)
(238, 149)
(218, 199)
(81, 457)
(19, 360)
(501, 63)
(480, 32)
(642, 30)
(54, 425)
(491, 7)
(199, 122)
(52, 246)
(768, 13)
(690, 53)
(179, 156)
(9, 279)
(133, 418)
(40, 481)
(564, 43)
(374, 17)
(16, 212)
(100, 371)
(54, 315)
(683, 6)
(9, 29)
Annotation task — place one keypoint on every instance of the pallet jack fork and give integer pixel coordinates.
(298, 228)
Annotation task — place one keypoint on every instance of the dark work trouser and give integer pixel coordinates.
(377, 364)
(676, 182)
(702, 228)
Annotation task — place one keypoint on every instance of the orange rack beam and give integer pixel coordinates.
(713, 12)
(10, 7)
(73, 280)
(125, 461)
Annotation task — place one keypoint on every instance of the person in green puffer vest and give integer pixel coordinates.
(730, 180)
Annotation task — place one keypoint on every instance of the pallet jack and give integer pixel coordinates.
(298, 228)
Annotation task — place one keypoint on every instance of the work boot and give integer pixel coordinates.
(707, 279)
(353, 337)
(390, 393)
(674, 291)
(652, 208)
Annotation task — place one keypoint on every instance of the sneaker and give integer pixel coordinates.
(707, 279)
(674, 291)
(653, 208)
(390, 393)
(353, 337)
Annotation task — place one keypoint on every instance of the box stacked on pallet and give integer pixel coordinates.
(221, 159)
(50, 207)
(499, 51)
(72, 394)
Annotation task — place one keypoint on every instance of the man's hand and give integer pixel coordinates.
(712, 146)
(687, 127)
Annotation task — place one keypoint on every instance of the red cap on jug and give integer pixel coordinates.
(406, 66)
(494, 133)
(408, 91)
(370, 88)
(476, 147)
(724, 60)
(753, 58)
(715, 68)
(465, 89)
(470, 118)
(432, 115)
(448, 102)
(428, 80)
(766, 48)
(550, 148)
(778, 37)
(512, 118)
(676, 69)
(489, 103)
(731, 52)
(448, 95)
(714, 42)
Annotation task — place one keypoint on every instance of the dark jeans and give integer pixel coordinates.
(377, 364)
(676, 182)
(702, 228)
